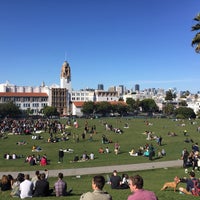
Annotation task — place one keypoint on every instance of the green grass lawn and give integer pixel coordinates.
(153, 180)
(132, 137)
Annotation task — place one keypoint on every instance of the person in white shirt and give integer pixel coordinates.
(26, 187)
(92, 156)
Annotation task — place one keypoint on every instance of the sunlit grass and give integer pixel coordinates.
(132, 137)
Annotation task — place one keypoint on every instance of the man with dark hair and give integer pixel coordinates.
(61, 186)
(42, 187)
(192, 185)
(35, 178)
(60, 155)
(98, 183)
(26, 187)
(115, 180)
(136, 186)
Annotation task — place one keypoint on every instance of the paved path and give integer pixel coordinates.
(105, 169)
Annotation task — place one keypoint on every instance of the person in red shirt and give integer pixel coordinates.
(136, 186)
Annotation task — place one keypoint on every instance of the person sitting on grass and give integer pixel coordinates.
(60, 186)
(98, 183)
(42, 187)
(192, 185)
(136, 186)
(5, 184)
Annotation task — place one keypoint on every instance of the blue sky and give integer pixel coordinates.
(113, 42)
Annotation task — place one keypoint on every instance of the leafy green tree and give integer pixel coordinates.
(121, 108)
(148, 105)
(131, 103)
(29, 111)
(185, 94)
(184, 112)
(169, 95)
(103, 108)
(183, 103)
(89, 108)
(9, 110)
(137, 105)
(168, 109)
(196, 39)
(50, 111)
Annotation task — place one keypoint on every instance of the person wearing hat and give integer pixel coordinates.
(191, 185)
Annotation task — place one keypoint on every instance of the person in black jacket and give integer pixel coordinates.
(42, 187)
(60, 155)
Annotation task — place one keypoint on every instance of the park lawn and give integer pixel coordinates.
(153, 180)
(132, 137)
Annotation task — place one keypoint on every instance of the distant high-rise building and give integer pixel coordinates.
(120, 89)
(112, 89)
(100, 87)
(137, 87)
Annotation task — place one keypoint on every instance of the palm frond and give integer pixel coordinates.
(197, 18)
(197, 49)
(196, 39)
(196, 27)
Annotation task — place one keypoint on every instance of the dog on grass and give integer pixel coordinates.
(171, 184)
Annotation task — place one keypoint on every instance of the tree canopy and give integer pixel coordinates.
(9, 110)
(184, 113)
(149, 105)
(50, 111)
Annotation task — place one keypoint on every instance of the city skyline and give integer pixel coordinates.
(111, 42)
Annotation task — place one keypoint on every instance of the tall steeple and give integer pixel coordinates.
(65, 76)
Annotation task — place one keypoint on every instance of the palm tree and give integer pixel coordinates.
(196, 39)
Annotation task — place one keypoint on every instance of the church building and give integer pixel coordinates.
(62, 97)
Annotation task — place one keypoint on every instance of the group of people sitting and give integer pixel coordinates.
(83, 157)
(192, 185)
(105, 140)
(101, 150)
(9, 156)
(38, 186)
(35, 160)
(118, 182)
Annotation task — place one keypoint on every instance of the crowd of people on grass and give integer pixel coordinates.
(37, 160)
(54, 126)
(24, 186)
(190, 158)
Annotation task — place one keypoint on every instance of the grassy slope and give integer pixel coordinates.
(133, 136)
